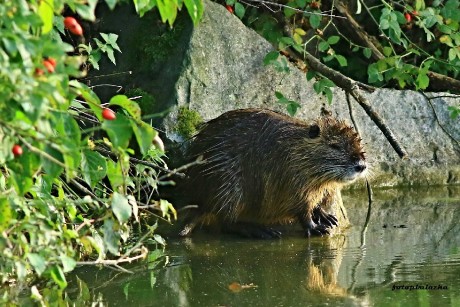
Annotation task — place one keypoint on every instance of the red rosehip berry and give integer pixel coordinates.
(229, 8)
(108, 114)
(73, 26)
(39, 72)
(49, 65)
(17, 150)
(52, 61)
(408, 17)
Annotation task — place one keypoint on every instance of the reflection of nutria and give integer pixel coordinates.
(262, 168)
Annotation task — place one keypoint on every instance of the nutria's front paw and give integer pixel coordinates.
(317, 230)
(324, 219)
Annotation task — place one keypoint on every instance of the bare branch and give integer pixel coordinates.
(280, 5)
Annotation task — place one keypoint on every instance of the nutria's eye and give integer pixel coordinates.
(313, 132)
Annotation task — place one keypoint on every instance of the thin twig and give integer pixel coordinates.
(129, 72)
(137, 161)
(352, 87)
(269, 3)
(84, 190)
(350, 112)
(177, 171)
(40, 152)
(143, 254)
(428, 99)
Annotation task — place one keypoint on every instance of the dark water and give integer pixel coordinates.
(409, 255)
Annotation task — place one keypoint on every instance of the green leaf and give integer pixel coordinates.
(110, 54)
(93, 167)
(115, 174)
(328, 92)
(129, 105)
(111, 3)
(387, 51)
(288, 11)
(37, 262)
(374, 73)
(279, 95)
(419, 5)
(87, 11)
(333, 40)
(445, 29)
(58, 276)
(168, 10)
(384, 24)
(111, 237)
(341, 59)
(422, 81)
(111, 39)
(315, 21)
(301, 3)
(323, 46)
(50, 167)
(144, 134)
(143, 6)
(310, 74)
(239, 10)
(89, 96)
(297, 38)
(121, 207)
(367, 52)
(166, 207)
(195, 9)
(300, 31)
(119, 130)
(23, 169)
(68, 263)
(6, 214)
(292, 107)
(454, 112)
(45, 10)
(453, 53)
(271, 57)
(159, 239)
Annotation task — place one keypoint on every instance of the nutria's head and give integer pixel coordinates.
(333, 151)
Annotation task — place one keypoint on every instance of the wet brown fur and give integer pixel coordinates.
(267, 168)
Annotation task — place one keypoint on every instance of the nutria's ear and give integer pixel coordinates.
(314, 131)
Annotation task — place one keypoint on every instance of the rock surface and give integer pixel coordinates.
(224, 70)
(218, 66)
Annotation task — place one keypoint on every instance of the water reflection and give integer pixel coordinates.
(412, 241)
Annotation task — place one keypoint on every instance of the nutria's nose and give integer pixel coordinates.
(360, 168)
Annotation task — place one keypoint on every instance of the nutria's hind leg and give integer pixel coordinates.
(192, 220)
(251, 230)
(188, 229)
(311, 228)
(323, 218)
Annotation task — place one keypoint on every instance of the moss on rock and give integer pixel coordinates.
(187, 122)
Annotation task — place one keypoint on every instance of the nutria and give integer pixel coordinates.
(261, 168)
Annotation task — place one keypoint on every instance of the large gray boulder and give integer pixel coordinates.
(217, 66)
(223, 70)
